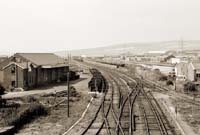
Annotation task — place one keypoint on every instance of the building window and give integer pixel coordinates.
(198, 75)
(18, 60)
(13, 83)
(13, 70)
(30, 78)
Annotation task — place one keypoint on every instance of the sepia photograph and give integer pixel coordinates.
(99, 67)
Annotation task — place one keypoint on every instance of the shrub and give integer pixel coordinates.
(190, 87)
(2, 101)
(2, 89)
(30, 99)
(157, 70)
(163, 78)
(169, 82)
(26, 115)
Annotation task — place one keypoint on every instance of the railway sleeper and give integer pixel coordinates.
(152, 118)
(151, 129)
(107, 99)
(155, 129)
(149, 123)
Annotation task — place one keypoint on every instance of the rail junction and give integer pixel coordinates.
(126, 108)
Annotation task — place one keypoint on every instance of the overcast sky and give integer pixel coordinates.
(52, 25)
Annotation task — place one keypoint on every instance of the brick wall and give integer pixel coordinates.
(16, 77)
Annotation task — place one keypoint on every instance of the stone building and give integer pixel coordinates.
(30, 70)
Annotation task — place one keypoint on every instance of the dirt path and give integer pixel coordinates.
(43, 90)
(167, 102)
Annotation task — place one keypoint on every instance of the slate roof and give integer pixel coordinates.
(22, 65)
(43, 59)
(196, 65)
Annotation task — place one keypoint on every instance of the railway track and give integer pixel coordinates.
(126, 101)
(161, 89)
(120, 117)
(106, 108)
(122, 105)
(100, 118)
(157, 118)
(127, 105)
(126, 109)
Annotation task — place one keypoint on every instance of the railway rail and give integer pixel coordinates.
(118, 109)
(123, 102)
(159, 120)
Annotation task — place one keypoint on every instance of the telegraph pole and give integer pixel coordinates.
(68, 87)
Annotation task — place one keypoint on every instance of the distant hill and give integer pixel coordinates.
(134, 48)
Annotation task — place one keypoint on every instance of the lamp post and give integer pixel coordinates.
(68, 94)
(175, 84)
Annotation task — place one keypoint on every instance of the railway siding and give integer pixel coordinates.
(120, 112)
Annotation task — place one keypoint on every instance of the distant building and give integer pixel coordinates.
(3, 58)
(167, 58)
(156, 52)
(114, 60)
(194, 71)
(175, 60)
(179, 59)
(181, 70)
(191, 53)
(78, 58)
(166, 69)
(153, 57)
(30, 70)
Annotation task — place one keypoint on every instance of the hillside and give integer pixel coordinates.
(134, 48)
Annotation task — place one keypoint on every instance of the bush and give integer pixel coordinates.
(163, 78)
(30, 99)
(157, 70)
(25, 116)
(2, 89)
(169, 82)
(190, 87)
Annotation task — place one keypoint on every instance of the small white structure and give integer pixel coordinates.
(156, 52)
(181, 71)
(175, 60)
(194, 71)
(179, 59)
